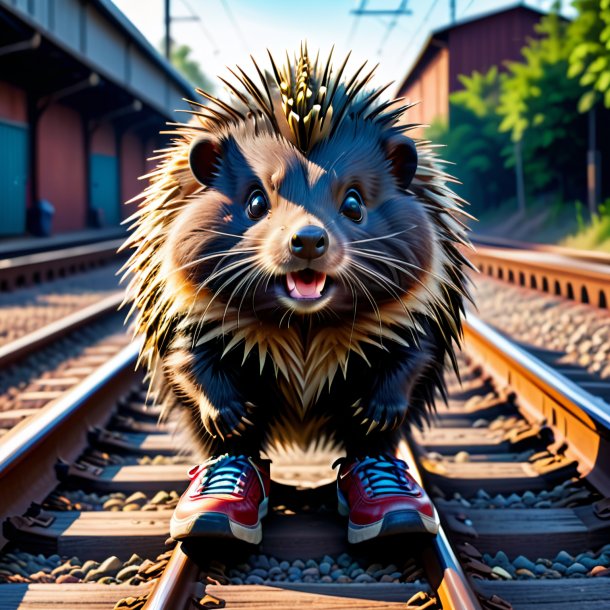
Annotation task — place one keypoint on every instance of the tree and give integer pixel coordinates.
(538, 106)
(474, 142)
(590, 55)
(190, 69)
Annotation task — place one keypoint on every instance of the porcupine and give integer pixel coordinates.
(296, 273)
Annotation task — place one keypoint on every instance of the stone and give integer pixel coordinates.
(311, 571)
(138, 497)
(344, 560)
(259, 572)
(254, 580)
(576, 568)
(67, 578)
(564, 557)
(522, 562)
(500, 572)
(161, 497)
(325, 567)
(461, 457)
(127, 572)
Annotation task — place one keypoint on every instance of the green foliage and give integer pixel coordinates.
(589, 58)
(594, 235)
(190, 69)
(474, 142)
(538, 107)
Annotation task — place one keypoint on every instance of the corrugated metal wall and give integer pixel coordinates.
(104, 176)
(480, 44)
(13, 178)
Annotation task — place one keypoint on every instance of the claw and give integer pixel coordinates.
(359, 410)
(373, 425)
(357, 403)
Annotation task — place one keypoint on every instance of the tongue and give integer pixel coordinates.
(306, 284)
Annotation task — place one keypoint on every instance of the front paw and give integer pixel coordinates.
(383, 413)
(229, 418)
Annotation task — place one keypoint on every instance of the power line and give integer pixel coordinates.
(467, 7)
(402, 10)
(420, 27)
(202, 27)
(355, 22)
(234, 23)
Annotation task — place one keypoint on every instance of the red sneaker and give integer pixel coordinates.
(382, 499)
(227, 498)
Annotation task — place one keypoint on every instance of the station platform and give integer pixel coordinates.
(21, 246)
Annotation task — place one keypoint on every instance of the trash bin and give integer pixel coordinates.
(40, 218)
(43, 218)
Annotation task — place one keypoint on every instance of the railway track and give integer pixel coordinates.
(517, 466)
(575, 275)
(517, 474)
(32, 269)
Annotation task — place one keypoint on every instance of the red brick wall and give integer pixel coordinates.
(13, 103)
(61, 164)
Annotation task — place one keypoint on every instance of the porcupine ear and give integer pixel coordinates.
(402, 154)
(204, 156)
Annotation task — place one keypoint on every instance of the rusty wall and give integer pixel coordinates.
(61, 167)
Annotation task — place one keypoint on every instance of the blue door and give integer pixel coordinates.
(105, 199)
(13, 178)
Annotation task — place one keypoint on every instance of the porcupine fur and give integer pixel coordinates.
(250, 367)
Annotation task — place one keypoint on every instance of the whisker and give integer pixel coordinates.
(388, 236)
(215, 232)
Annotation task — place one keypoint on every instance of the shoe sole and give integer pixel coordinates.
(218, 525)
(391, 524)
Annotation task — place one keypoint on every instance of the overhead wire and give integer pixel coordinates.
(234, 23)
(202, 27)
(420, 27)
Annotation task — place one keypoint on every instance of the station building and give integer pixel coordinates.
(83, 96)
(477, 43)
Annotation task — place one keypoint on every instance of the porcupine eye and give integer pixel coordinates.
(257, 205)
(352, 206)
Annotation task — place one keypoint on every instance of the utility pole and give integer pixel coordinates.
(168, 23)
(593, 167)
(167, 38)
(452, 10)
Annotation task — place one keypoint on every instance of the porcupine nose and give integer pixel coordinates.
(309, 242)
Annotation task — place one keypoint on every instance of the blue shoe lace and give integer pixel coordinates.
(225, 474)
(383, 475)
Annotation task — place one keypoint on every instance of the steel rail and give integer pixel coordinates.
(571, 277)
(592, 256)
(29, 451)
(175, 588)
(44, 336)
(30, 268)
(442, 567)
(576, 416)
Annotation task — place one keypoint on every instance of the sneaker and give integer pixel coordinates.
(382, 499)
(227, 498)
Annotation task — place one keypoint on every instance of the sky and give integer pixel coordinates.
(226, 32)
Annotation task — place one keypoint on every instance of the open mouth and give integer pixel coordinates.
(306, 284)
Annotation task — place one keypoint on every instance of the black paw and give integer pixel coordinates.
(384, 414)
(230, 418)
